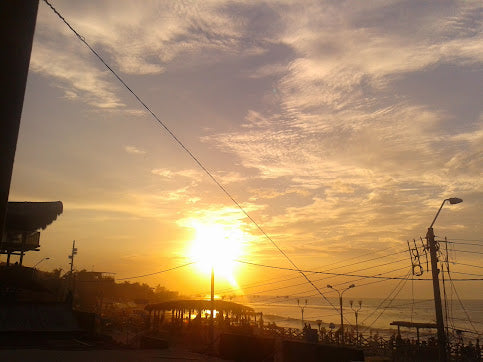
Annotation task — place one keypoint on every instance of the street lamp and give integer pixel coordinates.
(452, 201)
(302, 307)
(41, 260)
(356, 312)
(435, 273)
(341, 311)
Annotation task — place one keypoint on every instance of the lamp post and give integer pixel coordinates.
(41, 260)
(302, 307)
(356, 312)
(212, 304)
(341, 311)
(433, 248)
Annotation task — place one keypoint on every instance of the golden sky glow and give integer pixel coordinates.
(339, 126)
(217, 246)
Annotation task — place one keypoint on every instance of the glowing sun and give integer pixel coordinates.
(217, 246)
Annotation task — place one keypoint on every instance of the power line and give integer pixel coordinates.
(481, 241)
(278, 280)
(299, 295)
(473, 266)
(255, 285)
(401, 283)
(302, 293)
(317, 280)
(390, 302)
(461, 303)
(475, 275)
(463, 330)
(293, 297)
(185, 148)
(380, 280)
(468, 251)
(460, 243)
(377, 276)
(465, 320)
(140, 276)
(414, 302)
(159, 272)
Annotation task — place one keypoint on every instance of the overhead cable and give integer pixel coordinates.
(377, 276)
(185, 148)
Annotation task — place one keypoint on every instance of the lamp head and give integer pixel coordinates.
(454, 200)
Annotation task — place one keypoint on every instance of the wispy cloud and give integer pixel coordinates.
(344, 133)
(78, 78)
(138, 40)
(167, 173)
(134, 150)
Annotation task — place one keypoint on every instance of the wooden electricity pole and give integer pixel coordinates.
(433, 252)
(437, 295)
(71, 257)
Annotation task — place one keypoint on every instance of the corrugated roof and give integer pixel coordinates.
(31, 216)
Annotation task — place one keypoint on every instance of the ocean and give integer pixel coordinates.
(374, 314)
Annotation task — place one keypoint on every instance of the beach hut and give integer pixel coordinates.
(189, 311)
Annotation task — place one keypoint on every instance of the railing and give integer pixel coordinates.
(393, 347)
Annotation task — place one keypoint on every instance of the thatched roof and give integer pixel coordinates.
(220, 305)
(31, 216)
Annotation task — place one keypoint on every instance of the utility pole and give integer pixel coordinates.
(17, 25)
(433, 248)
(437, 295)
(71, 257)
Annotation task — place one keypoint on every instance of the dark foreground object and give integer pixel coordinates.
(147, 342)
(308, 352)
(253, 348)
(246, 348)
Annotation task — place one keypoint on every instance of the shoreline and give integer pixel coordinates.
(364, 331)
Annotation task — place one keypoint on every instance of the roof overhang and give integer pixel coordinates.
(31, 216)
(23, 221)
(413, 324)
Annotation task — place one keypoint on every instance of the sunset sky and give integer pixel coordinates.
(339, 126)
